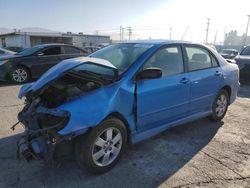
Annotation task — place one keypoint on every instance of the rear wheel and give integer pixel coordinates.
(103, 147)
(220, 106)
(19, 74)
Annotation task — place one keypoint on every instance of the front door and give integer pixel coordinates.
(163, 100)
(46, 59)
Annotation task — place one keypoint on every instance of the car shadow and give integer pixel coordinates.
(4, 84)
(8, 83)
(146, 164)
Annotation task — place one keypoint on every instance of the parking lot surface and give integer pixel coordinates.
(198, 154)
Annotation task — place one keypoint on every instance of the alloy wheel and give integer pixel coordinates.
(107, 147)
(221, 105)
(20, 75)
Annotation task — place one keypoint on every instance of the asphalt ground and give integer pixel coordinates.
(197, 154)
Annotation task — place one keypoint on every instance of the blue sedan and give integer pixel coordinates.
(121, 94)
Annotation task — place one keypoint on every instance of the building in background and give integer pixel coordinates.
(30, 39)
(234, 41)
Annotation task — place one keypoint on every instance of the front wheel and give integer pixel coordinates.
(220, 106)
(103, 146)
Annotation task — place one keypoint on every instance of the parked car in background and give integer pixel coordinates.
(123, 93)
(4, 52)
(14, 48)
(33, 62)
(91, 49)
(229, 53)
(243, 61)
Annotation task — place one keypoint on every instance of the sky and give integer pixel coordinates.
(155, 19)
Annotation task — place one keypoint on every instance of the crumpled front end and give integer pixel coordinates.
(66, 102)
(41, 130)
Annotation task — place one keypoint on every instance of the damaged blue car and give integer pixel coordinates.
(121, 94)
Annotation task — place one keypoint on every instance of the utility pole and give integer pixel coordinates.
(170, 33)
(129, 33)
(208, 23)
(120, 33)
(184, 33)
(215, 37)
(245, 39)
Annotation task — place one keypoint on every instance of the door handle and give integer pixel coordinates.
(184, 80)
(218, 73)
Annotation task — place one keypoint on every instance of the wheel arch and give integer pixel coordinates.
(25, 66)
(124, 120)
(228, 89)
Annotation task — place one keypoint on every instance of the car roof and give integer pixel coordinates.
(157, 41)
(231, 49)
(54, 44)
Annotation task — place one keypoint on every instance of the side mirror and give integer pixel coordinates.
(150, 73)
(40, 54)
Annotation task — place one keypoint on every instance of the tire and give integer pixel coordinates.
(19, 74)
(220, 106)
(101, 149)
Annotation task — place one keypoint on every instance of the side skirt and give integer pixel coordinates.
(137, 137)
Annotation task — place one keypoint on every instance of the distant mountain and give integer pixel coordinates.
(26, 29)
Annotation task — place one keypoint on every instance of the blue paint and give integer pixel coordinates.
(161, 103)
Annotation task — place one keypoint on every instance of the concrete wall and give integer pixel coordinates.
(86, 40)
(27, 41)
(16, 40)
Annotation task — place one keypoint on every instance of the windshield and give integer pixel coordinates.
(30, 51)
(96, 70)
(122, 55)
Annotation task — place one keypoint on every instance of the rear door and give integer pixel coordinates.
(71, 52)
(45, 59)
(164, 100)
(205, 77)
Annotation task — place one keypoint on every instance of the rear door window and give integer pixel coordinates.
(198, 58)
(246, 51)
(52, 51)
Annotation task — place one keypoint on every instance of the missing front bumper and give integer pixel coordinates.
(41, 132)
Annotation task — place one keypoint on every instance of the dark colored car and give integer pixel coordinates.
(33, 62)
(91, 49)
(243, 61)
(229, 53)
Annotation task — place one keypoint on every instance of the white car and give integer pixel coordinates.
(4, 52)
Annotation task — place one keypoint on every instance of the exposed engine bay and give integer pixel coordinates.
(67, 87)
(42, 120)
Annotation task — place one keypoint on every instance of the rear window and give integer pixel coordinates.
(246, 51)
(71, 50)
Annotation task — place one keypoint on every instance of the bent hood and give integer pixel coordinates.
(60, 69)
